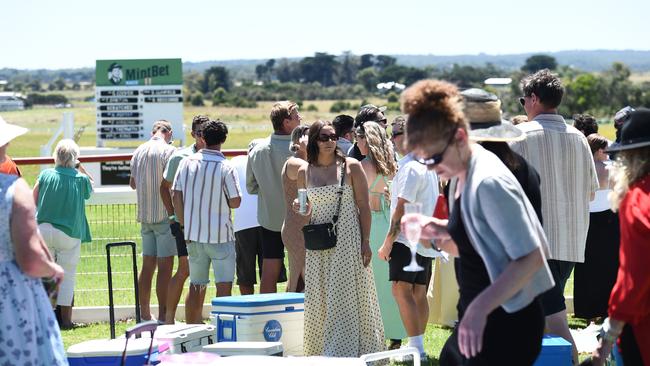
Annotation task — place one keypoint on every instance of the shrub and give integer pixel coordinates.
(339, 106)
(197, 100)
(312, 108)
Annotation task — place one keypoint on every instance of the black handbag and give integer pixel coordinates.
(323, 236)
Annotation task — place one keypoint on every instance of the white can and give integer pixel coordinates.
(302, 200)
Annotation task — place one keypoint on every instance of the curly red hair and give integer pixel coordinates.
(434, 112)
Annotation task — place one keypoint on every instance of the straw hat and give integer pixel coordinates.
(483, 111)
(9, 132)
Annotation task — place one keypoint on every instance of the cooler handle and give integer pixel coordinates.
(149, 326)
(226, 324)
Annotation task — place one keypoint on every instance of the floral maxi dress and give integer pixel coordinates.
(29, 334)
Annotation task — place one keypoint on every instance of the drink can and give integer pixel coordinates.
(302, 200)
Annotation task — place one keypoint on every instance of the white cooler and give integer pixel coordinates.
(259, 318)
(245, 348)
(183, 338)
(108, 352)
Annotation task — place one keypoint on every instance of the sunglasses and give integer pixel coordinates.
(436, 159)
(325, 138)
(395, 134)
(522, 101)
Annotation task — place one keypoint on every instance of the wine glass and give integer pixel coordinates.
(413, 230)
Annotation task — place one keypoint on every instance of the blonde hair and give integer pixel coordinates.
(66, 153)
(380, 149)
(631, 165)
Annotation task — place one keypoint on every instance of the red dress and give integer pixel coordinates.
(630, 298)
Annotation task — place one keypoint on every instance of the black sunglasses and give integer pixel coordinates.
(325, 138)
(522, 101)
(395, 134)
(436, 159)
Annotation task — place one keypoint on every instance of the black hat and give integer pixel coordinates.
(635, 132)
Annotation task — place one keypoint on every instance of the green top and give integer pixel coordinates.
(61, 198)
(174, 160)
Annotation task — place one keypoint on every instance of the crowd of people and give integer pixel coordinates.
(529, 202)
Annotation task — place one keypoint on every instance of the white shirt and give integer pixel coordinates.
(246, 214)
(416, 184)
(207, 181)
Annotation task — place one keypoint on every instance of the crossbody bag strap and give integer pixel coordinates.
(340, 194)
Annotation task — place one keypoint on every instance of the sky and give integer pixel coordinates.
(74, 33)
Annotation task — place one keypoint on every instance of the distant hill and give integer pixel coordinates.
(593, 60)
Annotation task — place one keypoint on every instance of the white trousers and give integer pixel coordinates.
(66, 252)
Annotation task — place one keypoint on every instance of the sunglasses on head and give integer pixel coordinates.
(522, 101)
(325, 138)
(436, 159)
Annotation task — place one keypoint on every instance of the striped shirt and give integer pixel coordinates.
(147, 166)
(562, 157)
(207, 180)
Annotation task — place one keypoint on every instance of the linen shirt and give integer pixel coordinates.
(562, 157)
(62, 193)
(175, 159)
(263, 178)
(207, 181)
(147, 165)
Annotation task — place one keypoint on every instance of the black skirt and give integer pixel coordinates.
(595, 278)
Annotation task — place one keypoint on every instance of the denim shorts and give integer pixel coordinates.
(221, 255)
(157, 240)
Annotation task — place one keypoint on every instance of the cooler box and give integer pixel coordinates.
(183, 338)
(108, 352)
(259, 318)
(556, 351)
(245, 348)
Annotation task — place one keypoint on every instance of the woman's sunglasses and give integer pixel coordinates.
(325, 138)
(436, 159)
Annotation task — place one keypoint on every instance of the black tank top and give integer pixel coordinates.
(471, 273)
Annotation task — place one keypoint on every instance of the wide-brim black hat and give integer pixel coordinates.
(635, 132)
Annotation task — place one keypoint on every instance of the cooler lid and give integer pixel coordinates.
(552, 340)
(111, 347)
(259, 300)
(183, 332)
(244, 348)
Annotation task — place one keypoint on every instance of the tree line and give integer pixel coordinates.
(355, 77)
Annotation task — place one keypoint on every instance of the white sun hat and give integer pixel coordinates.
(9, 132)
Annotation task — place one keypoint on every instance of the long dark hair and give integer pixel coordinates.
(312, 145)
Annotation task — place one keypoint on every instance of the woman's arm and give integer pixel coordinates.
(32, 255)
(301, 183)
(360, 188)
(35, 193)
(515, 276)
